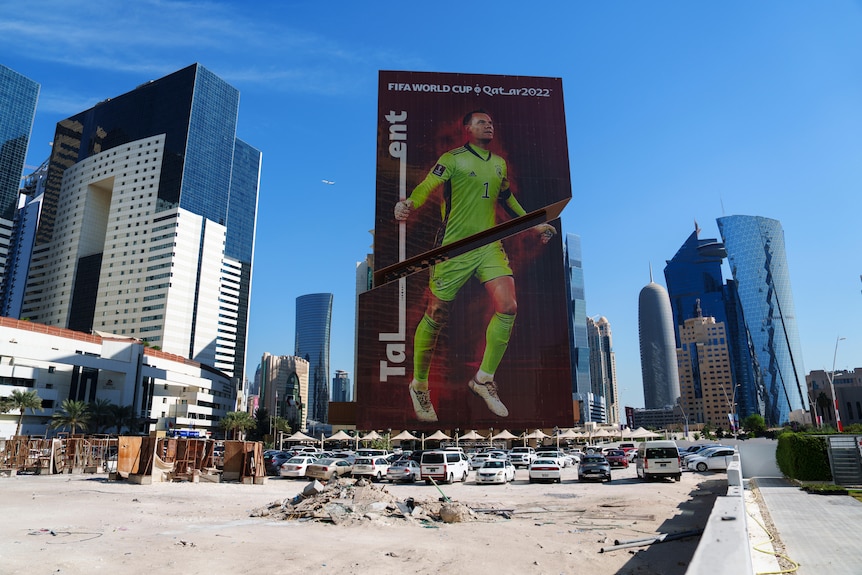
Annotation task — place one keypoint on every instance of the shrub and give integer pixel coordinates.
(803, 457)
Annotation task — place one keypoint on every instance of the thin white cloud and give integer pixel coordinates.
(155, 37)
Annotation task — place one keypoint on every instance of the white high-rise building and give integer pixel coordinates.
(148, 219)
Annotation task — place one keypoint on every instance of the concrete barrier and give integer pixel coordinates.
(724, 548)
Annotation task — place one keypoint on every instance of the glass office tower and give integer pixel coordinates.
(756, 253)
(18, 96)
(313, 321)
(579, 344)
(694, 278)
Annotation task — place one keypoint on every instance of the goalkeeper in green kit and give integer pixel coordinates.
(474, 181)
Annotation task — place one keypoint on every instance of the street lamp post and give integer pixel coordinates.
(838, 423)
(684, 417)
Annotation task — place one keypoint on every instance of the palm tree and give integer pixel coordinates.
(123, 416)
(236, 421)
(73, 414)
(100, 415)
(22, 401)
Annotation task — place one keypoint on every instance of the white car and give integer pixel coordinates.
(716, 459)
(480, 458)
(496, 471)
(546, 469)
(522, 456)
(561, 457)
(295, 466)
(372, 467)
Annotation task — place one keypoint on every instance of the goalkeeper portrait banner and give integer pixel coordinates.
(450, 146)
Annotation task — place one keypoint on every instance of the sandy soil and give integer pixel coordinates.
(70, 524)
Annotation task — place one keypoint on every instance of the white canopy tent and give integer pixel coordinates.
(340, 436)
(404, 436)
(301, 437)
(642, 433)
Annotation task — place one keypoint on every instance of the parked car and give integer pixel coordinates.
(697, 450)
(272, 461)
(444, 466)
(594, 466)
(712, 459)
(617, 458)
(368, 452)
(481, 458)
(522, 456)
(658, 459)
(326, 469)
(373, 467)
(561, 457)
(403, 470)
(295, 466)
(496, 471)
(546, 469)
(576, 454)
(346, 455)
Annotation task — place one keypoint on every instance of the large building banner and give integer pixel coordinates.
(466, 326)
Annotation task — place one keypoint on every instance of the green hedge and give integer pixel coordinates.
(803, 457)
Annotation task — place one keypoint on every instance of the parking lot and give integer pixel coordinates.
(207, 528)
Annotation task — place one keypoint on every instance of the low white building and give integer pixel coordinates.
(167, 392)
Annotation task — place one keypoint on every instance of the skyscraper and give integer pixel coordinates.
(284, 388)
(603, 367)
(694, 279)
(707, 389)
(341, 388)
(659, 368)
(313, 320)
(756, 253)
(148, 219)
(18, 96)
(579, 344)
(695, 282)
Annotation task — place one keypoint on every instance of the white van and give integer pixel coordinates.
(657, 459)
(444, 466)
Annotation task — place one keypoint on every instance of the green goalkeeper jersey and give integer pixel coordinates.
(474, 181)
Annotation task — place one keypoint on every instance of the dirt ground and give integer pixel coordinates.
(70, 524)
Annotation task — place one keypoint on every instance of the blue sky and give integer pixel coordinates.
(677, 112)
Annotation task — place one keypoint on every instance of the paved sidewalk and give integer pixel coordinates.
(820, 532)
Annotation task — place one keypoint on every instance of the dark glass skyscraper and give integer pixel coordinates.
(659, 367)
(579, 344)
(756, 253)
(313, 320)
(694, 278)
(18, 96)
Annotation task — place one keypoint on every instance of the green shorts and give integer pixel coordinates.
(486, 263)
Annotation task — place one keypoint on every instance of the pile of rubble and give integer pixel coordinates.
(348, 501)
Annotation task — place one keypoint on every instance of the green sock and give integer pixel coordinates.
(496, 341)
(423, 346)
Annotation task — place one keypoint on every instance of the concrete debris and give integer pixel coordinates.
(345, 501)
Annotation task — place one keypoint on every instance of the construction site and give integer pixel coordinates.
(135, 459)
